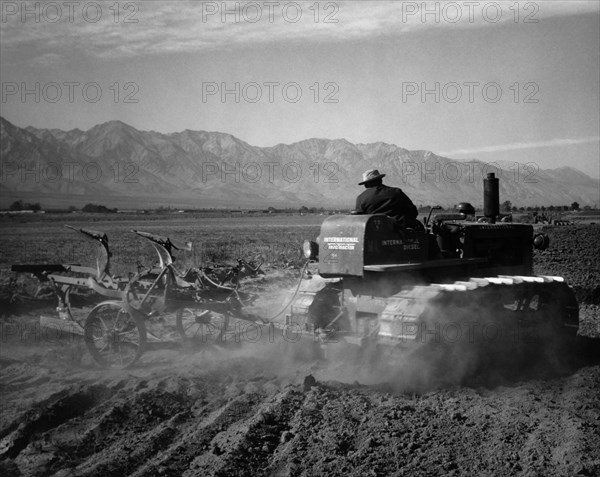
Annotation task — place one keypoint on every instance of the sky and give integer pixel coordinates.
(495, 81)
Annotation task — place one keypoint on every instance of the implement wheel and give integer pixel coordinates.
(114, 337)
(200, 327)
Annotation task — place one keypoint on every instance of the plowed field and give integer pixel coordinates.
(250, 412)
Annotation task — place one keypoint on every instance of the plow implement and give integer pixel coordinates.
(196, 307)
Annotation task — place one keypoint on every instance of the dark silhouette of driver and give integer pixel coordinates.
(381, 199)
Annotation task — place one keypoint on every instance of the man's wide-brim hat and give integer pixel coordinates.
(371, 175)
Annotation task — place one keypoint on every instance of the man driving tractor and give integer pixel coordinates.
(381, 199)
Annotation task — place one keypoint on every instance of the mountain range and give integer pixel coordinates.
(117, 165)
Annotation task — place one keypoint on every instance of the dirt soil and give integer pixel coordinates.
(250, 411)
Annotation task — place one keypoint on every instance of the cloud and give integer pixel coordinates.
(47, 59)
(522, 145)
(168, 27)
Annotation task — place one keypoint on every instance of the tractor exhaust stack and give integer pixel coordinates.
(491, 197)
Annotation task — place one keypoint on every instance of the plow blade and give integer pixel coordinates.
(60, 328)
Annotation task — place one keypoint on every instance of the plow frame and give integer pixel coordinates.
(115, 331)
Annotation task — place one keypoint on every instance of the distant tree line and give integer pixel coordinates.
(311, 210)
(301, 210)
(95, 208)
(507, 207)
(20, 205)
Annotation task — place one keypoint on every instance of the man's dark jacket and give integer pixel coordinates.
(387, 200)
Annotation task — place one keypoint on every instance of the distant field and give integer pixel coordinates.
(276, 239)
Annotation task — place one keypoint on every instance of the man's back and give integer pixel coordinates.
(390, 201)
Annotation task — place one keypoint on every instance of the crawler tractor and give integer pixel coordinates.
(461, 280)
